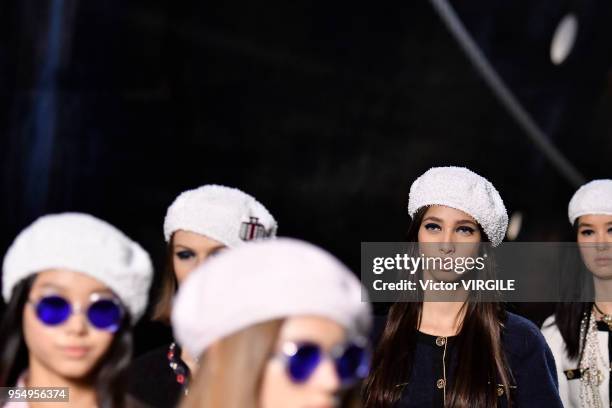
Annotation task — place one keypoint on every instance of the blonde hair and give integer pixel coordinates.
(230, 377)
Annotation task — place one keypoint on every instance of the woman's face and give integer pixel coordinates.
(321, 389)
(446, 232)
(189, 250)
(73, 348)
(595, 243)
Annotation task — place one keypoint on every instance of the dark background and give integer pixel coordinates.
(326, 112)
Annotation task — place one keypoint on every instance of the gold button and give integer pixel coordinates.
(500, 391)
(440, 341)
(440, 383)
(570, 374)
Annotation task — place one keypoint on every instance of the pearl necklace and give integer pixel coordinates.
(591, 376)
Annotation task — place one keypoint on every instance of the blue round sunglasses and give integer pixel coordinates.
(301, 359)
(103, 313)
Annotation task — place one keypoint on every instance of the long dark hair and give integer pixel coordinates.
(108, 377)
(477, 373)
(568, 318)
(569, 315)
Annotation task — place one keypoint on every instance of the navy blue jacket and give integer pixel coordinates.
(528, 355)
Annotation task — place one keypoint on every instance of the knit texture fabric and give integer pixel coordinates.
(85, 244)
(262, 281)
(224, 214)
(464, 190)
(594, 198)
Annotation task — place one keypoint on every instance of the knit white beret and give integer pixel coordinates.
(595, 197)
(224, 214)
(262, 281)
(464, 190)
(85, 244)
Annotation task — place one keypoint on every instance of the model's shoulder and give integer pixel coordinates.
(549, 321)
(155, 359)
(521, 336)
(550, 328)
(518, 324)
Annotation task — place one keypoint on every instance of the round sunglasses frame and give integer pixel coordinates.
(290, 348)
(77, 308)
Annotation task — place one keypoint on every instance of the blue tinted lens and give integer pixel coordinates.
(303, 363)
(53, 310)
(352, 365)
(105, 314)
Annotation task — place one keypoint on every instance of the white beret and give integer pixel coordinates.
(85, 244)
(224, 214)
(595, 197)
(263, 281)
(464, 190)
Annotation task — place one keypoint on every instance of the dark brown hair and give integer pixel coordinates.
(478, 373)
(109, 377)
(569, 315)
(169, 286)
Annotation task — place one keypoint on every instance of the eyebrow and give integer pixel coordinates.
(102, 290)
(182, 246)
(466, 222)
(436, 219)
(63, 288)
(211, 250)
(584, 224)
(53, 286)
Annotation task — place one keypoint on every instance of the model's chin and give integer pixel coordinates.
(75, 369)
(601, 272)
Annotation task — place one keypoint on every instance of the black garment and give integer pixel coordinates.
(131, 402)
(149, 335)
(153, 381)
(528, 355)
